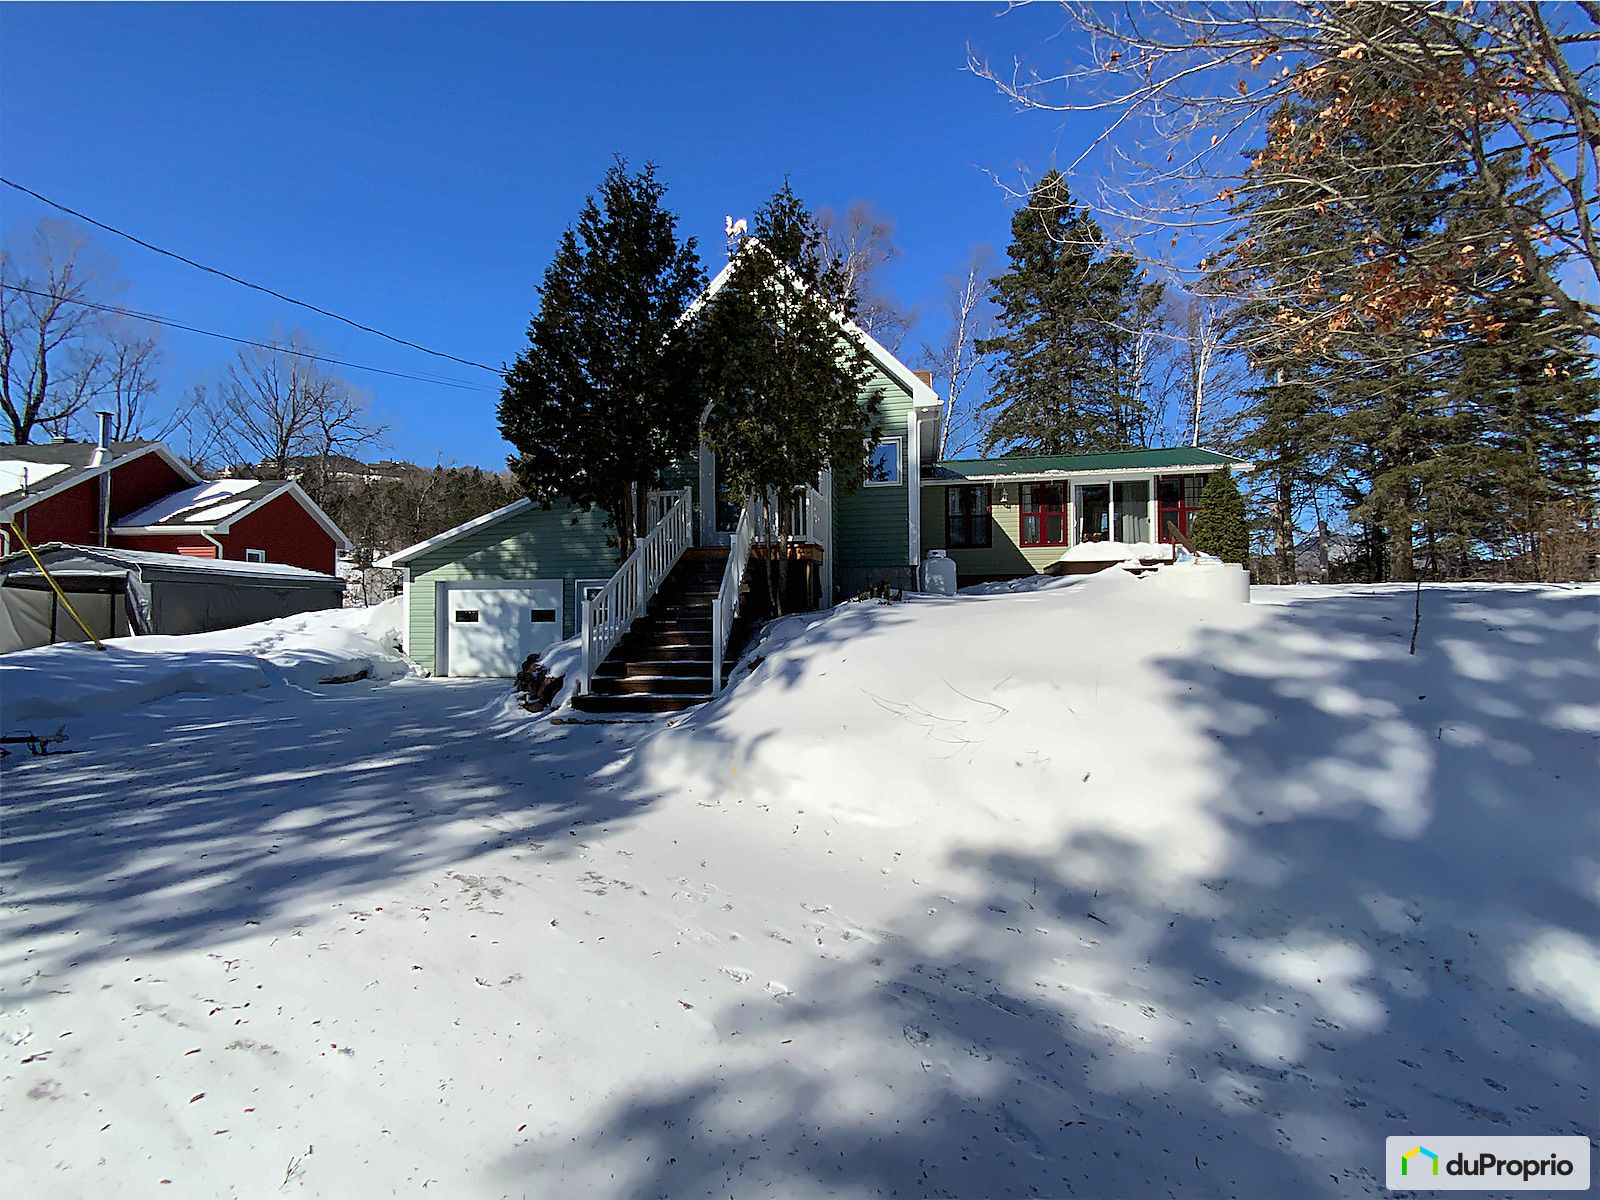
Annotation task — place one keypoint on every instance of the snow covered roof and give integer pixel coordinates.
(214, 506)
(1047, 466)
(205, 505)
(67, 559)
(29, 474)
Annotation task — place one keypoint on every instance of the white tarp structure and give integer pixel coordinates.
(119, 592)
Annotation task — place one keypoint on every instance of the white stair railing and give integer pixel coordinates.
(610, 611)
(725, 608)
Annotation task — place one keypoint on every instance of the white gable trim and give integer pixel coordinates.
(922, 396)
(83, 474)
(401, 557)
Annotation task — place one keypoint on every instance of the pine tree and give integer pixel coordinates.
(787, 386)
(1220, 527)
(604, 397)
(1065, 310)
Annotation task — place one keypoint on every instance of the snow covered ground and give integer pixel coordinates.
(1080, 889)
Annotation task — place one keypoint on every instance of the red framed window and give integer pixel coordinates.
(966, 516)
(1177, 500)
(1044, 514)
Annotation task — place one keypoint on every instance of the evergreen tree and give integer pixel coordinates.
(1065, 310)
(1220, 527)
(787, 386)
(604, 397)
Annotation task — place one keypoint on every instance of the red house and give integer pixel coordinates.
(141, 496)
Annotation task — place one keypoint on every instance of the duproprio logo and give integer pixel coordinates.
(1432, 1162)
(1418, 1153)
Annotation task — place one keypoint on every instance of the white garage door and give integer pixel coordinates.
(491, 626)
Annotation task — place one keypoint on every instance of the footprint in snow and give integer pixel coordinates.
(735, 974)
(780, 991)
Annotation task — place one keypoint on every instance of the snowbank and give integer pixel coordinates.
(1117, 552)
(1074, 889)
(932, 714)
(75, 680)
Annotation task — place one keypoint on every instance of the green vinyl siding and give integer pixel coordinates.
(873, 524)
(531, 544)
(1005, 554)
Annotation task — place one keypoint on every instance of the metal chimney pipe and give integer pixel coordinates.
(102, 456)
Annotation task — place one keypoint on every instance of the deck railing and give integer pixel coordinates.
(800, 520)
(610, 611)
(725, 608)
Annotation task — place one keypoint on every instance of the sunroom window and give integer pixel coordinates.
(1044, 514)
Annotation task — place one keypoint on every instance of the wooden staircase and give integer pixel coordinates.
(663, 662)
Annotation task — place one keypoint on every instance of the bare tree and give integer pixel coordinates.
(955, 360)
(1189, 96)
(860, 241)
(280, 412)
(1204, 363)
(50, 352)
(129, 387)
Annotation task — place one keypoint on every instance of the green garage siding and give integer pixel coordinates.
(531, 544)
(872, 525)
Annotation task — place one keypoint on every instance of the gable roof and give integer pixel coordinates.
(400, 557)
(29, 474)
(1045, 466)
(213, 507)
(922, 396)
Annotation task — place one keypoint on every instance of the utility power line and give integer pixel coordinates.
(122, 233)
(298, 353)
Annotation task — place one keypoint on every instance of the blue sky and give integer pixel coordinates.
(412, 165)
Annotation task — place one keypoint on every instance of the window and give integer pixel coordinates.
(255, 556)
(544, 616)
(586, 589)
(1094, 513)
(883, 464)
(966, 516)
(1133, 510)
(1044, 514)
(1177, 500)
(466, 616)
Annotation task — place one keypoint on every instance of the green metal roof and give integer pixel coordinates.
(1052, 464)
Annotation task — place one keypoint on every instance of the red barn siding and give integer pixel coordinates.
(187, 543)
(69, 516)
(286, 532)
(140, 482)
(74, 515)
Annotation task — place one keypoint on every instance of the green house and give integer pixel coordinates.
(482, 597)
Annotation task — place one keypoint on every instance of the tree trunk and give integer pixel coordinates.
(625, 524)
(1402, 566)
(1283, 526)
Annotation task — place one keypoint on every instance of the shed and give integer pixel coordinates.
(119, 592)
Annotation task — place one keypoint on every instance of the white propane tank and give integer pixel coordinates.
(938, 573)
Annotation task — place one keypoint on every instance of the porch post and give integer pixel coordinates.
(1150, 515)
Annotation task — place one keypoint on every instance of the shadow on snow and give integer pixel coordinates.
(1386, 933)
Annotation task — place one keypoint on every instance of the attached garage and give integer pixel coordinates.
(483, 596)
